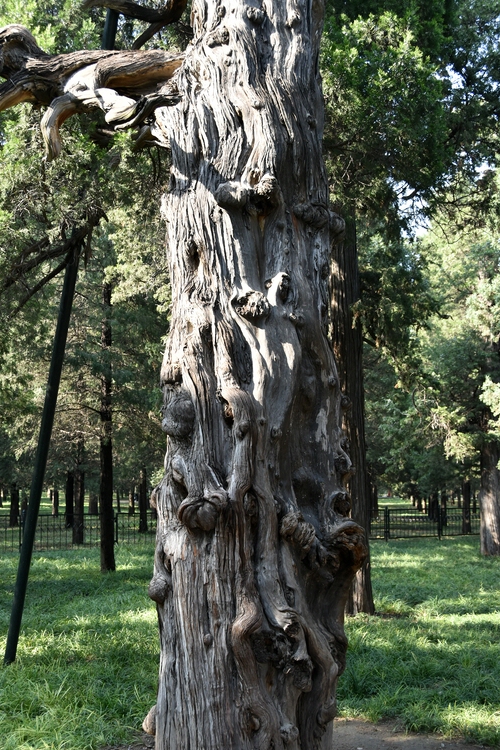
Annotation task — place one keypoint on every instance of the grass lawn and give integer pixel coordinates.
(431, 658)
(87, 661)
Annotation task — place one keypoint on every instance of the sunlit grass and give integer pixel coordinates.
(431, 655)
(87, 661)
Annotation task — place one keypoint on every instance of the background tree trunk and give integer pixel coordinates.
(131, 501)
(93, 504)
(143, 502)
(466, 492)
(489, 498)
(55, 502)
(14, 506)
(348, 347)
(255, 551)
(69, 498)
(106, 443)
(79, 497)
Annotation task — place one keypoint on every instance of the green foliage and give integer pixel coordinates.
(396, 296)
(430, 657)
(41, 204)
(383, 138)
(430, 20)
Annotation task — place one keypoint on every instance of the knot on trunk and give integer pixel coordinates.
(296, 530)
(179, 416)
(159, 587)
(337, 228)
(218, 37)
(258, 197)
(343, 466)
(202, 512)
(255, 15)
(149, 723)
(314, 214)
(346, 544)
(339, 504)
(252, 306)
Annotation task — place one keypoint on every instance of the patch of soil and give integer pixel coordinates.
(353, 734)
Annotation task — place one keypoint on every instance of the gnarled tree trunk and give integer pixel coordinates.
(255, 552)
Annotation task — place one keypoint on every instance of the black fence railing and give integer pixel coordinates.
(398, 523)
(54, 532)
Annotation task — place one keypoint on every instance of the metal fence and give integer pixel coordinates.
(397, 523)
(54, 532)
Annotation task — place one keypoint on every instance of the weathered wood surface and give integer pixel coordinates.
(255, 549)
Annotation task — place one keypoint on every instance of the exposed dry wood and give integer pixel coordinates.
(126, 85)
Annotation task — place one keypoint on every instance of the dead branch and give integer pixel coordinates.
(126, 85)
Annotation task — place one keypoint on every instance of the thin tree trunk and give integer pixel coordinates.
(69, 496)
(106, 443)
(14, 506)
(444, 512)
(131, 501)
(55, 502)
(93, 504)
(255, 552)
(466, 493)
(348, 347)
(489, 499)
(143, 503)
(79, 497)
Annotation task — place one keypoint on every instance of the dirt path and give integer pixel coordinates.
(353, 734)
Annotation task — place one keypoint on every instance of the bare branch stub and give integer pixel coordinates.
(126, 85)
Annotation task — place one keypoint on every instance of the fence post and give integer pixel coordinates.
(387, 531)
(439, 522)
(116, 528)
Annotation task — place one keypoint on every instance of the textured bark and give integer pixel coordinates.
(348, 347)
(255, 552)
(489, 499)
